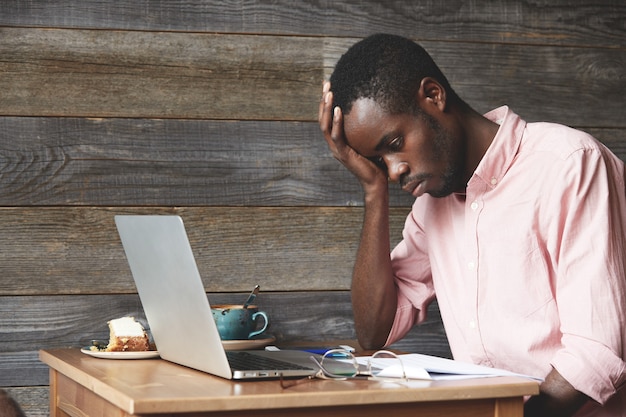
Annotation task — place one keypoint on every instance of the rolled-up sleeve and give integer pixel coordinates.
(590, 287)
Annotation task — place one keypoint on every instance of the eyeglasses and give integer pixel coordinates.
(340, 364)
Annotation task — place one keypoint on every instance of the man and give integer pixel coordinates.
(518, 228)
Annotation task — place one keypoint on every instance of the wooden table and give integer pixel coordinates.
(81, 385)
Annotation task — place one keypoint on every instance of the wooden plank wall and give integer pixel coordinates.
(207, 109)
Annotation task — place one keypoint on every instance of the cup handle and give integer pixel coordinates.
(267, 322)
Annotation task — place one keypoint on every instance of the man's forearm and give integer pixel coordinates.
(373, 291)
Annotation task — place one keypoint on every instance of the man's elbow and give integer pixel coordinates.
(371, 341)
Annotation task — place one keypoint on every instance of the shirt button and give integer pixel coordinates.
(474, 205)
(471, 265)
(494, 181)
(472, 324)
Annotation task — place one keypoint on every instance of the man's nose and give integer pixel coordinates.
(396, 169)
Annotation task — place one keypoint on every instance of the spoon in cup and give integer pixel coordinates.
(251, 297)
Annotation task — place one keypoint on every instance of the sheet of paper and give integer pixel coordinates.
(418, 366)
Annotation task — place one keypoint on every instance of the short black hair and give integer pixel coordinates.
(386, 68)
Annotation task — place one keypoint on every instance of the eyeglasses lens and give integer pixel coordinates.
(385, 364)
(339, 363)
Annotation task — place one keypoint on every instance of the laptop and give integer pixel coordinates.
(178, 310)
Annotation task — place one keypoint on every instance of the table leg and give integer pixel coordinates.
(54, 411)
(509, 407)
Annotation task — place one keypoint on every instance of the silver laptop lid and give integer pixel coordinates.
(171, 292)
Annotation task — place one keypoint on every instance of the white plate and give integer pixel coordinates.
(149, 354)
(247, 344)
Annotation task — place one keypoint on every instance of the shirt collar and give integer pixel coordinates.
(500, 154)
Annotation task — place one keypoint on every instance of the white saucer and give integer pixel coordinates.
(248, 344)
(149, 354)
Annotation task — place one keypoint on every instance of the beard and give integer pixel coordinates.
(445, 149)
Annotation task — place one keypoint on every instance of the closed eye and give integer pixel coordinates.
(396, 143)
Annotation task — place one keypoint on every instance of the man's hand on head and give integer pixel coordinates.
(370, 175)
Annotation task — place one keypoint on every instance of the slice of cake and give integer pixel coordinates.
(127, 335)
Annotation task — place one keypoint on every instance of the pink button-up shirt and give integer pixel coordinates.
(528, 266)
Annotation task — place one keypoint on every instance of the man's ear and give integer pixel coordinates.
(431, 93)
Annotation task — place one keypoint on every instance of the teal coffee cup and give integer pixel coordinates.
(237, 323)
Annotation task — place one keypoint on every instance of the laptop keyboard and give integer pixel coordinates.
(242, 361)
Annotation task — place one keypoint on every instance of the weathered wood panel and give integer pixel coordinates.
(126, 162)
(61, 250)
(74, 161)
(181, 75)
(133, 74)
(563, 22)
(30, 323)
